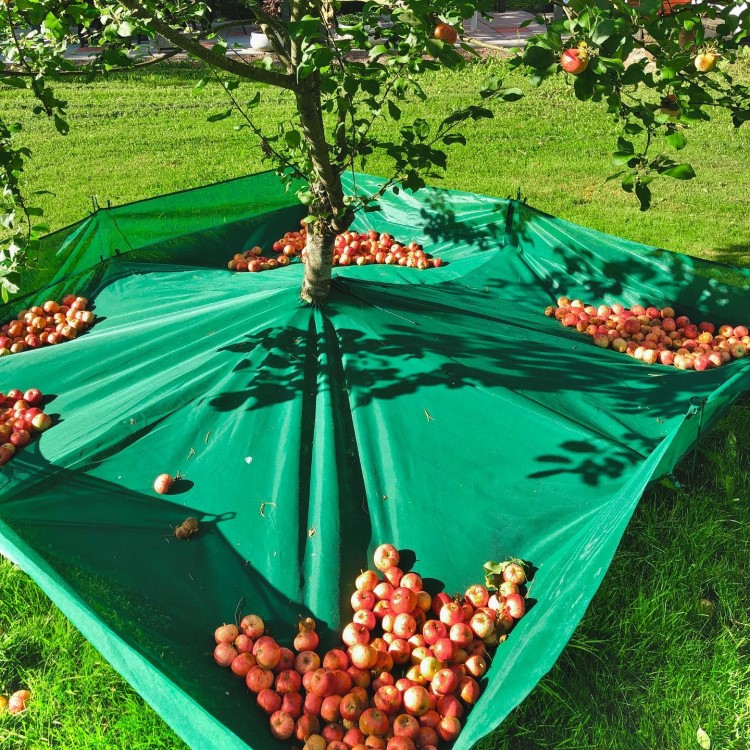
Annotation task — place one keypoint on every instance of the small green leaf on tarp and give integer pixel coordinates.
(493, 573)
(263, 507)
(703, 739)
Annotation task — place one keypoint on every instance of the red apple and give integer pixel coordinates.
(385, 556)
(282, 725)
(268, 701)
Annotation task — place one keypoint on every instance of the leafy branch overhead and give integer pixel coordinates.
(655, 72)
(655, 67)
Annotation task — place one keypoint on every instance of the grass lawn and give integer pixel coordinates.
(647, 666)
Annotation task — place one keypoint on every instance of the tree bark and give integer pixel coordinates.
(329, 212)
(316, 284)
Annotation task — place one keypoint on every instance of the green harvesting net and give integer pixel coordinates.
(438, 410)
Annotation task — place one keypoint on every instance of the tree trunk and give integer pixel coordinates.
(331, 215)
(318, 261)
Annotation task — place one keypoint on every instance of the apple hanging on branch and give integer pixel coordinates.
(446, 33)
(653, 71)
(575, 60)
(705, 62)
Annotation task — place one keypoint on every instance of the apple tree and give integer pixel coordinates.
(636, 59)
(658, 67)
(341, 81)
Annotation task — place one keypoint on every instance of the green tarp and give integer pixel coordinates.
(440, 410)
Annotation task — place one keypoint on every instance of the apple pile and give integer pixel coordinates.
(654, 335)
(16, 703)
(365, 248)
(350, 248)
(253, 260)
(21, 418)
(51, 323)
(407, 672)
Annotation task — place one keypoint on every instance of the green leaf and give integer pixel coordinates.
(612, 62)
(583, 86)
(615, 176)
(451, 138)
(323, 57)
(511, 95)
(602, 31)
(292, 138)
(61, 125)
(625, 145)
(16, 82)
(643, 193)
(377, 50)
(538, 57)
(53, 25)
(620, 158)
(305, 196)
(370, 86)
(305, 28)
(422, 128)
(677, 140)
(680, 172)
(219, 116)
(489, 86)
(125, 29)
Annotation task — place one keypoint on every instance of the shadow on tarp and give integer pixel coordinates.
(106, 542)
(381, 329)
(440, 396)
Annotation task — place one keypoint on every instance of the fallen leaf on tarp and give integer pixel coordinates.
(263, 507)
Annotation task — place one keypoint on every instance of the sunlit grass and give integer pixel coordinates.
(646, 667)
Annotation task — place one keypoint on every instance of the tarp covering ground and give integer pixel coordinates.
(439, 410)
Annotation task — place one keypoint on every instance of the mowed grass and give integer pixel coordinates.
(647, 666)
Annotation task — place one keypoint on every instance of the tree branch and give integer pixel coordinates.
(265, 144)
(214, 59)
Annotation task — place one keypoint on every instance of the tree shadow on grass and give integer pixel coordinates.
(734, 255)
